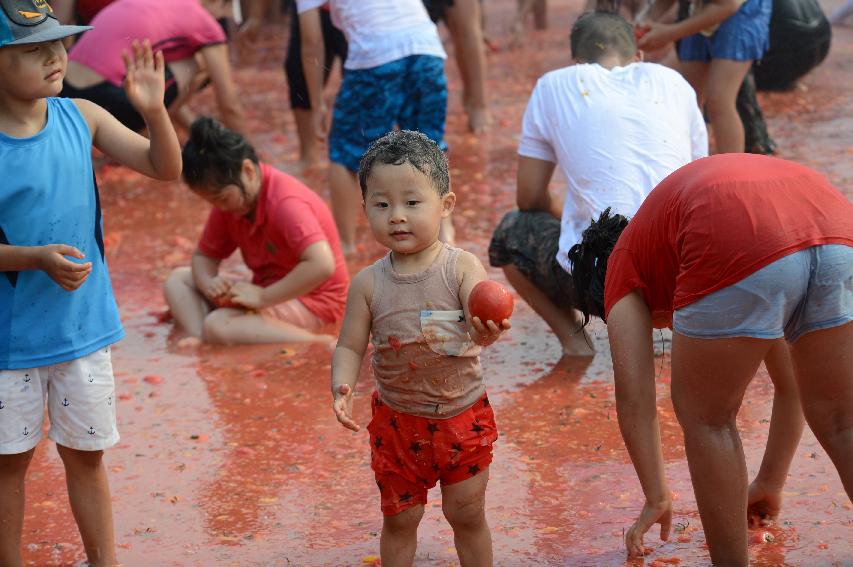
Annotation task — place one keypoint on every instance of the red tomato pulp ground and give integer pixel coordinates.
(235, 458)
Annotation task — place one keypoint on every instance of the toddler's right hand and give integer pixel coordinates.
(342, 407)
(69, 275)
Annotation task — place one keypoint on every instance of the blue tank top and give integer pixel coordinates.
(48, 195)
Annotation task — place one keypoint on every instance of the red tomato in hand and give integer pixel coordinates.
(490, 301)
(225, 300)
(640, 31)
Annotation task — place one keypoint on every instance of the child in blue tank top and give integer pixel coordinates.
(58, 316)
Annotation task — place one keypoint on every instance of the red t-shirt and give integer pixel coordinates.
(289, 217)
(717, 220)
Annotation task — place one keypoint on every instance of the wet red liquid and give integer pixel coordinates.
(235, 457)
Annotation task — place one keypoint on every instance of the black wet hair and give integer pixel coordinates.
(406, 146)
(589, 262)
(596, 34)
(213, 156)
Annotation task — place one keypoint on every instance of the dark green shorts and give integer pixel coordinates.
(529, 240)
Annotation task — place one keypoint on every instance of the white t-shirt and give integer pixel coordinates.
(381, 31)
(615, 135)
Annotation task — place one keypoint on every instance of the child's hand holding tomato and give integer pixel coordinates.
(247, 295)
(490, 306)
(215, 289)
(488, 332)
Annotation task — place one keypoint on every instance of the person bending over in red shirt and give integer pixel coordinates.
(734, 252)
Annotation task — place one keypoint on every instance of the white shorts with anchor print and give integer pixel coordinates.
(81, 404)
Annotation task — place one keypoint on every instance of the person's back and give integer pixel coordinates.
(616, 127)
(177, 27)
(615, 133)
(379, 31)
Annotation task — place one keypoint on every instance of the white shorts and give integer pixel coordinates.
(80, 399)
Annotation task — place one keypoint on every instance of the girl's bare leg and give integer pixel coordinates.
(235, 326)
(188, 305)
(721, 87)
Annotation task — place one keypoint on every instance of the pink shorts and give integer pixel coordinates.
(295, 313)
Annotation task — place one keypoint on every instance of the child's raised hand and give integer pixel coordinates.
(342, 407)
(248, 295)
(144, 82)
(69, 275)
(488, 332)
(653, 513)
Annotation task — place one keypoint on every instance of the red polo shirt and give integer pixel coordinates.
(289, 217)
(717, 220)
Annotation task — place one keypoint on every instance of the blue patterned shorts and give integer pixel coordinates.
(410, 93)
(745, 36)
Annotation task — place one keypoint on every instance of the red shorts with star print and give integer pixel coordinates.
(410, 454)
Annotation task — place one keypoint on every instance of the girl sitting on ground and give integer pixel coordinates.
(286, 235)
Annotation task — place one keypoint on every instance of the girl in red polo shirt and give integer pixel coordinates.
(286, 235)
(734, 252)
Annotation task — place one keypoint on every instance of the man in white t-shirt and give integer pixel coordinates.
(616, 127)
(394, 78)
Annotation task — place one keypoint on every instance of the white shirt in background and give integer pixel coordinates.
(381, 31)
(615, 135)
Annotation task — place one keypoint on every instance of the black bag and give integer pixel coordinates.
(800, 36)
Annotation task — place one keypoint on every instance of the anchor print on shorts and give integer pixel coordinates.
(91, 379)
(26, 431)
(91, 430)
(65, 402)
(2, 405)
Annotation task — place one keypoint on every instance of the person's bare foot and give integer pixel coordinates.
(578, 344)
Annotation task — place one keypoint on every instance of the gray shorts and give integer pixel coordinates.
(803, 292)
(529, 240)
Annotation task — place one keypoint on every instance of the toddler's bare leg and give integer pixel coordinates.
(13, 470)
(464, 506)
(89, 494)
(399, 538)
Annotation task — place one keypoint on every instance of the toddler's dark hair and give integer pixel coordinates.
(406, 146)
(214, 155)
(597, 33)
(589, 262)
